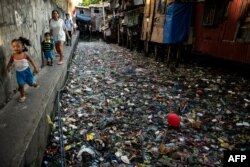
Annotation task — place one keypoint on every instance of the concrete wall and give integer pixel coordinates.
(27, 18)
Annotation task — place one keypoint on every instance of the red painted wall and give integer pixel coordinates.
(219, 41)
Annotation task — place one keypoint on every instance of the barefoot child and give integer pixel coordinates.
(20, 58)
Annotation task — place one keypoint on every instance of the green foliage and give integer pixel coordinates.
(88, 2)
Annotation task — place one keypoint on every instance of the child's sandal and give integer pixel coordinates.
(22, 99)
(36, 85)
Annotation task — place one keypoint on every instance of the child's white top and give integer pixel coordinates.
(21, 64)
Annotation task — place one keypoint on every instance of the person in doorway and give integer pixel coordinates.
(90, 31)
(69, 27)
(21, 58)
(48, 47)
(58, 31)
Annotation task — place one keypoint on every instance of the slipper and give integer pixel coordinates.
(22, 99)
(60, 63)
(36, 86)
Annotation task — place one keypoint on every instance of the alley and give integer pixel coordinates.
(115, 106)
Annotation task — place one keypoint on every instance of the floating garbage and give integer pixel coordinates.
(118, 109)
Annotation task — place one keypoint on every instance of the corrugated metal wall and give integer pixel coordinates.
(221, 41)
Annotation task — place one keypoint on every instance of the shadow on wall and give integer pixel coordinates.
(3, 78)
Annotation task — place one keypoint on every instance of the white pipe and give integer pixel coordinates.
(103, 12)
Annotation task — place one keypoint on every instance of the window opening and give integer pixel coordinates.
(215, 12)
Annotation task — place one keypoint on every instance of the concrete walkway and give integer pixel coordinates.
(24, 127)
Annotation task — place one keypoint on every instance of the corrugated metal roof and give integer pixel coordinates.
(105, 4)
(82, 7)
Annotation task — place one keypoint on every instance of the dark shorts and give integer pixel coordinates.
(48, 54)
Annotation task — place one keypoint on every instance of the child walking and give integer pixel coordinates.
(21, 58)
(48, 47)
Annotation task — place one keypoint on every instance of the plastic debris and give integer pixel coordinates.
(116, 104)
(173, 120)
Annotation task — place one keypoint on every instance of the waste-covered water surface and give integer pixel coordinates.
(115, 106)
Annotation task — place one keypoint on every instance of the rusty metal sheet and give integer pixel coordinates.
(220, 41)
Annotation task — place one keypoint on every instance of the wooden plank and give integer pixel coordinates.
(157, 34)
(148, 20)
(158, 25)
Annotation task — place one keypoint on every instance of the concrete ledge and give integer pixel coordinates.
(24, 128)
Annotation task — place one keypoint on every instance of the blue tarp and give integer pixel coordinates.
(177, 22)
(83, 17)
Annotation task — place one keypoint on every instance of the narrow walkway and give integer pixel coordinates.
(24, 127)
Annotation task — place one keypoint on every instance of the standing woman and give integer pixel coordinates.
(58, 31)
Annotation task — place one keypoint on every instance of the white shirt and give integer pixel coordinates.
(68, 24)
(57, 27)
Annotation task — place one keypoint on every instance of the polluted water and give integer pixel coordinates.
(120, 108)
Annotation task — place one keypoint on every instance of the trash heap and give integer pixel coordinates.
(116, 103)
